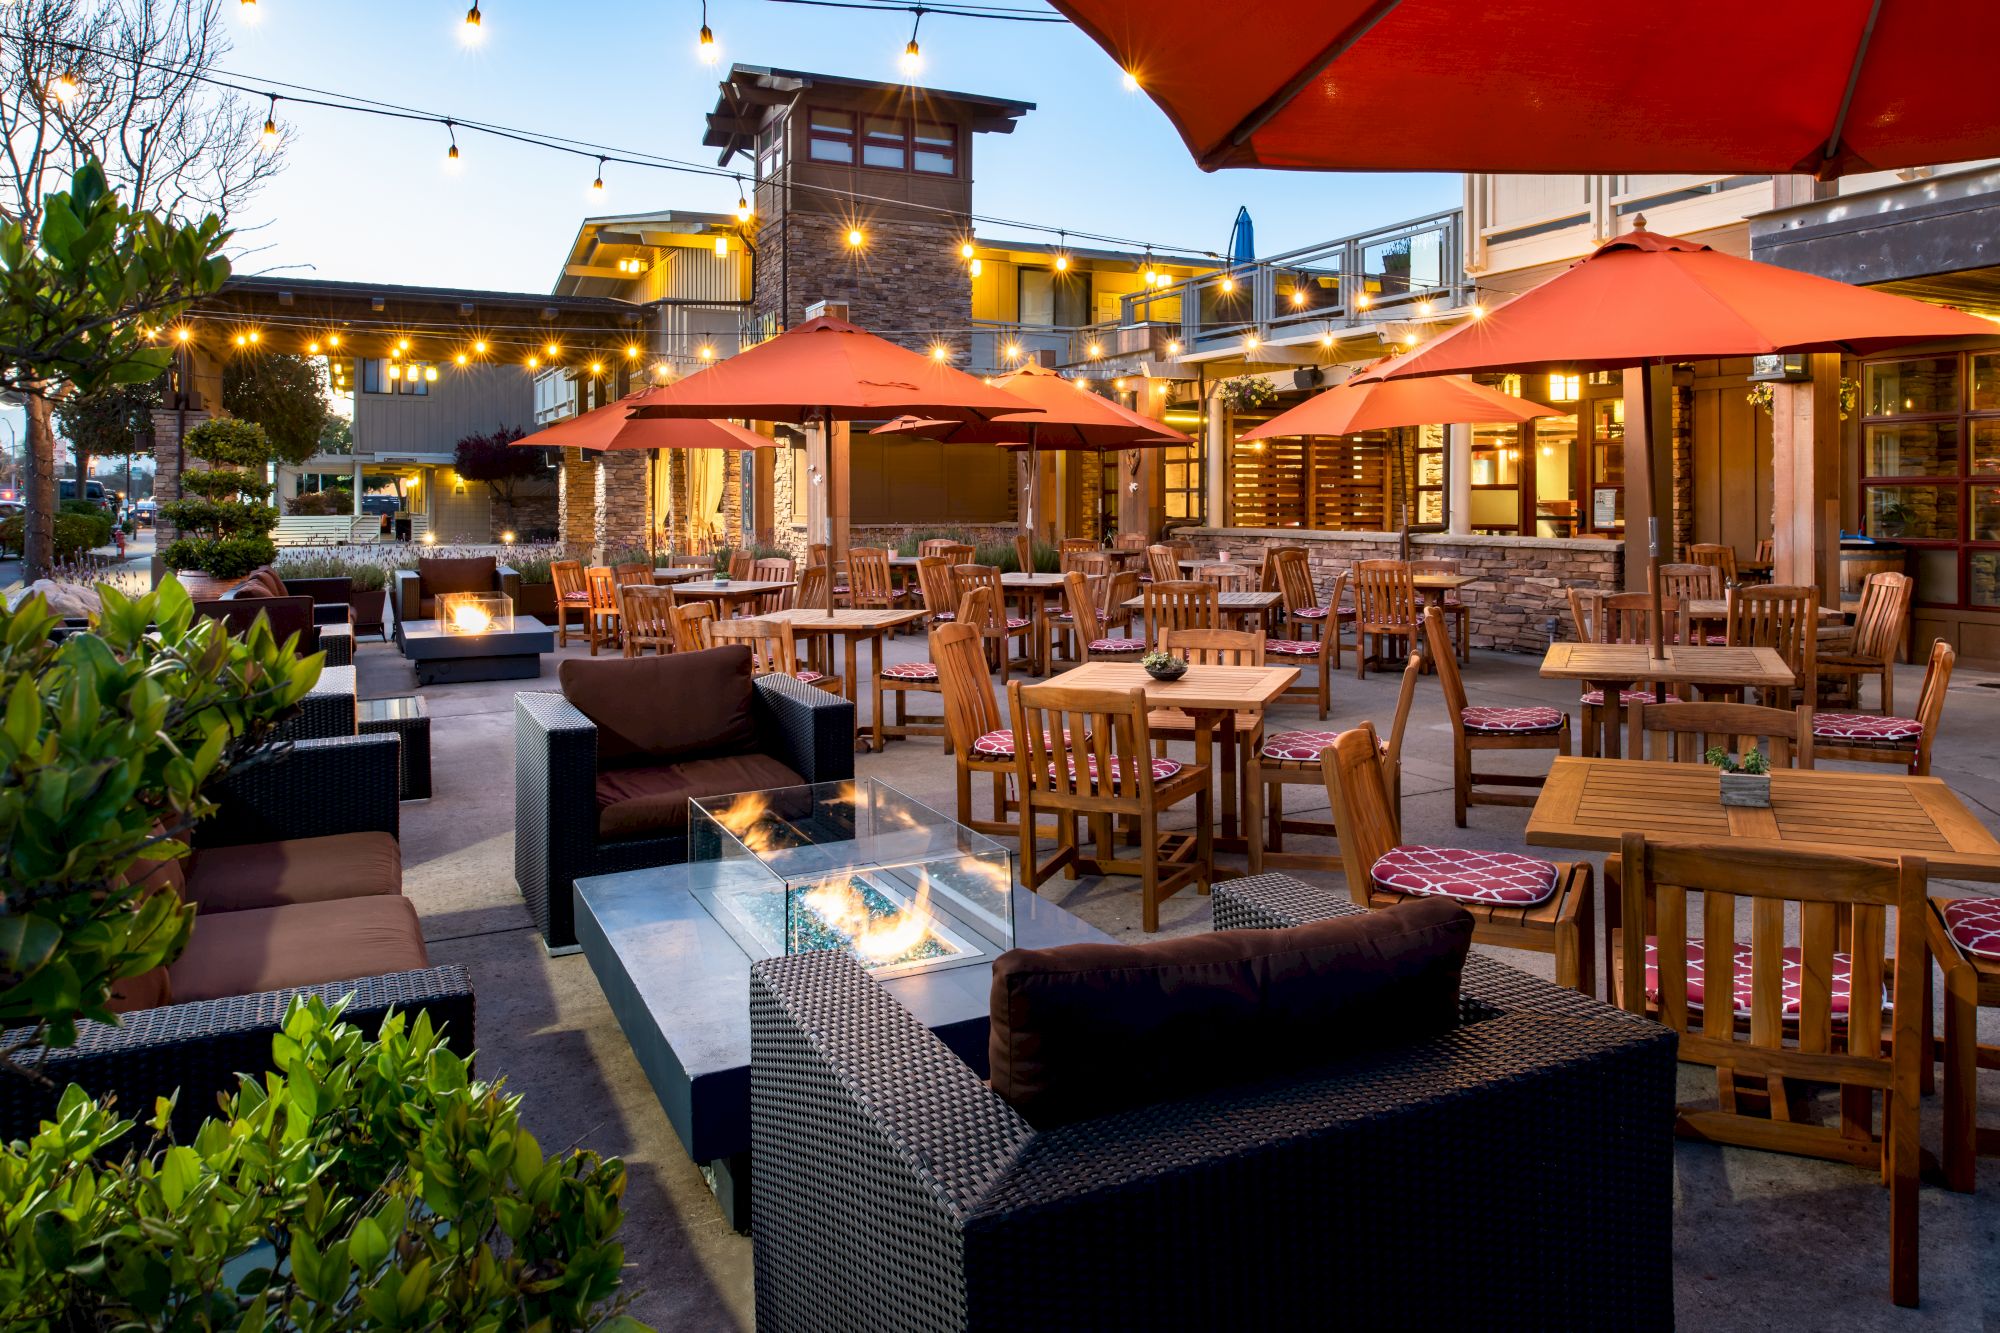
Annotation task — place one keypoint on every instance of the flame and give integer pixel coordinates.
(840, 905)
(470, 618)
(745, 819)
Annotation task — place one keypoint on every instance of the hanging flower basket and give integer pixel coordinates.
(1247, 393)
(1850, 393)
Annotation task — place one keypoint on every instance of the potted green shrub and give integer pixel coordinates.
(225, 512)
(537, 595)
(1747, 782)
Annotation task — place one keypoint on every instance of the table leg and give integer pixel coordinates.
(1227, 764)
(1610, 716)
(851, 686)
(875, 645)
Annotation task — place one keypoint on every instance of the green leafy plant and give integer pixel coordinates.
(364, 575)
(285, 393)
(365, 1184)
(225, 511)
(108, 743)
(1753, 761)
(1161, 660)
(71, 535)
(1248, 393)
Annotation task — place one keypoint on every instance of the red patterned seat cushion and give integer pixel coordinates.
(808, 676)
(1866, 728)
(1465, 874)
(841, 588)
(1299, 745)
(1595, 698)
(1310, 613)
(1718, 640)
(1513, 720)
(910, 671)
(945, 615)
(1117, 646)
(1018, 622)
(1974, 925)
(1293, 647)
(999, 744)
(576, 597)
(1163, 768)
(1793, 971)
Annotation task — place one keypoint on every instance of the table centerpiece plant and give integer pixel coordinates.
(1745, 782)
(1162, 665)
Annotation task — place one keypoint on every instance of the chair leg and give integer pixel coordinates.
(1591, 724)
(1149, 870)
(1461, 782)
(1204, 841)
(1961, 1075)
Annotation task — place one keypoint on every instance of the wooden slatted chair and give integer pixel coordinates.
(1076, 546)
(934, 586)
(1112, 613)
(1093, 644)
(1459, 613)
(1626, 617)
(989, 615)
(690, 625)
(1965, 940)
(648, 614)
(1874, 738)
(1721, 556)
(1024, 553)
(1488, 728)
(1583, 603)
(870, 582)
(1692, 582)
(1180, 604)
(1810, 1011)
(739, 565)
(1385, 607)
(772, 649)
(980, 740)
(1129, 541)
(1162, 566)
(1684, 733)
(1292, 759)
(1517, 902)
(1235, 576)
(632, 571)
(816, 554)
(1218, 647)
(772, 569)
(1784, 617)
(572, 598)
(1087, 754)
(1875, 643)
(1305, 616)
(1092, 563)
(603, 620)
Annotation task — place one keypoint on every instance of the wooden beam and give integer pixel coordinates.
(1805, 468)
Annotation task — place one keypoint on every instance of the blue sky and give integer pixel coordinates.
(367, 198)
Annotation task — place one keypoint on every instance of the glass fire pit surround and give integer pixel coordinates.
(475, 613)
(856, 866)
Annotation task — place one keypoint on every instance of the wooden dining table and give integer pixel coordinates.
(727, 592)
(682, 573)
(1590, 804)
(1211, 696)
(1612, 667)
(853, 626)
(1230, 603)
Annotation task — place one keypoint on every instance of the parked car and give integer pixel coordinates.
(94, 491)
(144, 512)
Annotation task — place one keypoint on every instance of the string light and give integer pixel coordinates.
(461, 359)
(1151, 276)
(64, 88)
(855, 240)
(249, 11)
(913, 58)
(1131, 81)
(940, 353)
(255, 337)
(743, 210)
(479, 346)
(1425, 306)
(551, 351)
(597, 185)
(1477, 310)
(1326, 339)
(451, 154)
(660, 369)
(706, 353)
(1228, 285)
(1298, 296)
(312, 348)
(470, 33)
(705, 45)
(631, 352)
(1363, 301)
(181, 335)
(1012, 351)
(269, 138)
(966, 250)
(597, 367)
(333, 340)
(1096, 350)
(1173, 347)
(430, 373)
(1249, 342)
(395, 371)
(402, 344)
(534, 362)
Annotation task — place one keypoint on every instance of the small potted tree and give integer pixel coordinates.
(1744, 782)
(225, 512)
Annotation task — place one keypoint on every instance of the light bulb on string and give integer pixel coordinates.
(743, 210)
(479, 347)
(631, 351)
(597, 184)
(722, 247)
(248, 9)
(269, 138)
(469, 32)
(534, 362)
(1228, 285)
(1477, 310)
(333, 340)
(451, 154)
(183, 335)
(940, 353)
(1173, 347)
(597, 367)
(1013, 351)
(913, 56)
(431, 374)
(1249, 342)
(705, 45)
(1131, 81)
(1062, 253)
(551, 350)
(64, 88)
(706, 353)
(312, 348)
(461, 359)
(855, 239)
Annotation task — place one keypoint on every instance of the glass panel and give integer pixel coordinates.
(1986, 382)
(1555, 498)
(1928, 450)
(831, 135)
(1986, 513)
(883, 144)
(1985, 448)
(1038, 297)
(1920, 512)
(1496, 510)
(1937, 576)
(1430, 506)
(937, 149)
(1900, 388)
(1496, 455)
(1607, 441)
(1983, 571)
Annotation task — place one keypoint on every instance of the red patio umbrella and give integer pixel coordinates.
(1826, 87)
(1070, 419)
(1364, 405)
(613, 427)
(1647, 299)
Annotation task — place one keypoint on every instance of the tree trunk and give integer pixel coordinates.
(38, 543)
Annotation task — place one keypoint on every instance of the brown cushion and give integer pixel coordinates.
(303, 944)
(651, 710)
(1087, 1029)
(458, 573)
(651, 802)
(148, 990)
(299, 870)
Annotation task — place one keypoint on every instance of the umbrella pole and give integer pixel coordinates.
(1658, 612)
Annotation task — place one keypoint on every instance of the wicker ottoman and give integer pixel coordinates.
(404, 717)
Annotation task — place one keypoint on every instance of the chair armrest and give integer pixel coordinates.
(308, 789)
(324, 592)
(509, 581)
(200, 1048)
(409, 598)
(808, 728)
(555, 808)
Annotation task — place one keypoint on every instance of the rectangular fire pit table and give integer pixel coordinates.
(443, 658)
(672, 948)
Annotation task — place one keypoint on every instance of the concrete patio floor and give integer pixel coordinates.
(1761, 1240)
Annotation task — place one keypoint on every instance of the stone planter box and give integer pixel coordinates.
(1748, 789)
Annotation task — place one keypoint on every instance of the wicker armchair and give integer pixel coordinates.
(308, 790)
(556, 838)
(1309, 1199)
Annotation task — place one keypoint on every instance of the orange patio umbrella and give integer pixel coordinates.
(1365, 405)
(1825, 87)
(1071, 418)
(613, 427)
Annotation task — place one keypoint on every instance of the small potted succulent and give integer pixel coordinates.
(1744, 782)
(1164, 665)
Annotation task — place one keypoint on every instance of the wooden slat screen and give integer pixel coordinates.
(1332, 483)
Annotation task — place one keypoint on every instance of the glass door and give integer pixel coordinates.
(1555, 473)
(1604, 420)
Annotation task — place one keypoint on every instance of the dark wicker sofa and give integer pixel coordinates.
(558, 836)
(1514, 1172)
(313, 789)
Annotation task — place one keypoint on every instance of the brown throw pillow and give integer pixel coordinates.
(461, 573)
(1087, 1029)
(652, 710)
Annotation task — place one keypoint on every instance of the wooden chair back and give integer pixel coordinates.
(1063, 734)
(649, 615)
(1236, 576)
(571, 585)
(632, 572)
(1214, 647)
(1780, 616)
(1076, 545)
(1627, 617)
(739, 564)
(816, 554)
(691, 621)
(1718, 555)
(1161, 565)
(1384, 593)
(812, 587)
(1444, 660)
(1080, 596)
(603, 585)
(1183, 549)
(1583, 604)
(769, 641)
(1179, 604)
(1129, 541)
(989, 611)
(1392, 757)
(1288, 567)
(869, 583)
(935, 587)
(1122, 588)
(1685, 732)
(1024, 553)
(1434, 565)
(936, 545)
(1691, 582)
(1883, 619)
(1092, 563)
(971, 709)
(1930, 699)
(959, 553)
(773, 569)
(1766, 551)
(1364, 818)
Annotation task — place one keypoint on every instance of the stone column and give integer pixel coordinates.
(1458, 479)
(621, 505)
(170, 426)
(576, 500)
(1218, 459)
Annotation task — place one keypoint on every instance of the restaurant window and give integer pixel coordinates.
(1496, 478)
(1052, 300)
(936, 149)
(1183, 472)
(885, 143)
(830, 136)
(1930, 464)
(410, 378)
(771, 150)
(1604, 419)
(1432, 458)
